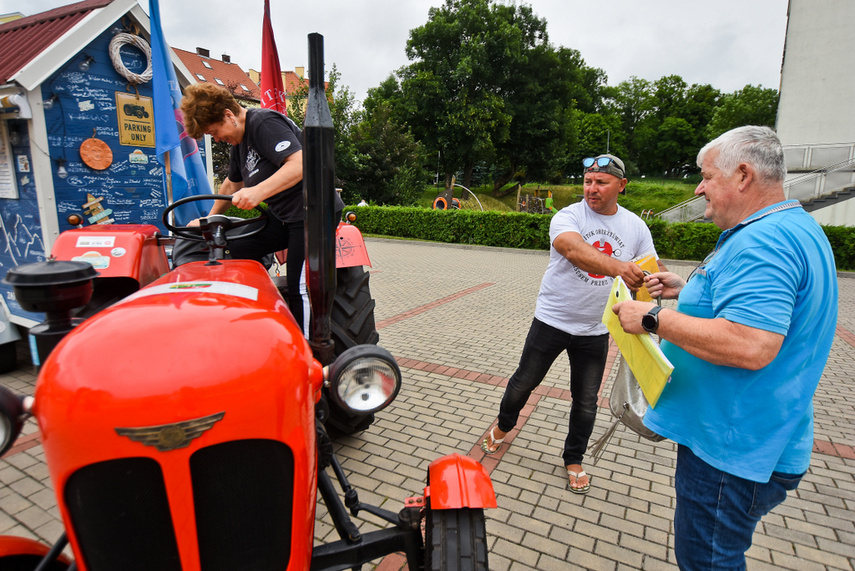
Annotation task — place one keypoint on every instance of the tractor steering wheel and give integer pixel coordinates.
(217, 221)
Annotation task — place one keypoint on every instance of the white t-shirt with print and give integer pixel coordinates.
(570, 298)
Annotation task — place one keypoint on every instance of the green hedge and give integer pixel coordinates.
(842, 239)
(683, 240)
(490, 228)
(676, 241)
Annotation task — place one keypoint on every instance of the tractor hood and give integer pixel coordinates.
(205, 356)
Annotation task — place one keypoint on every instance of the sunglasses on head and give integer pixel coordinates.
(601, 162)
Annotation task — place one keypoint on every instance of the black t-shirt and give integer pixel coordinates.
(268, 139)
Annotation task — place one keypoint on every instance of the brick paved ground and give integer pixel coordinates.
(456, 318)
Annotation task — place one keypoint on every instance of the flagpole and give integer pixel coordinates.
(168, 166)
(187, 176)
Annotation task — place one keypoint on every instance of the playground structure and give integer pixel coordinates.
(535, 204)
(445, 200)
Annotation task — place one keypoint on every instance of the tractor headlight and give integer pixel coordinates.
(11, 419)
(364, 379)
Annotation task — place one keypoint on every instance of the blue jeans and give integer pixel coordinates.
(587, 362)
(717, 512)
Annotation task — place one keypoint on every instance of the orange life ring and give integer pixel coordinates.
(440, 203)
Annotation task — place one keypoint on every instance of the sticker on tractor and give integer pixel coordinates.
(224, 288)
(98, 261)
(96, 241)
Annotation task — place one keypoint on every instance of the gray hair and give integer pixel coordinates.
(758, 146)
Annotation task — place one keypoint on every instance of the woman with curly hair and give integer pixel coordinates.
(265, 165)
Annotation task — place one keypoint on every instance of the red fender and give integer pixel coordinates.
(11, 545)
(350, 247)
(459, 482)
(116, 250)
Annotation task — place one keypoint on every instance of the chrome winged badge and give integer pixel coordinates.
(166, 437)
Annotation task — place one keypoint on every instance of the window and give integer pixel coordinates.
(244, 87)
(201, 77)
(206, 64)
(219, 81)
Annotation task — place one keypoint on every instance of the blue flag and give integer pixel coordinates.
(188, 172)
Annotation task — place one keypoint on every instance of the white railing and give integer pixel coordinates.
(687, 211)
(803, 188)
(821, 182)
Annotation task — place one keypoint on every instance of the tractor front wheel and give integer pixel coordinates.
(455, 539)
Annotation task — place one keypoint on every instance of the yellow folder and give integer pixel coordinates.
(648, 364)
(649, 264)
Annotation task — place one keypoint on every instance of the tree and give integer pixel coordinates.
(676, 147)
(457, 88)
(389, 92)
(664, 121)
(633, 102)
(388, 162)
(598, 134)
(220, 154)
(748, 106)
(698, 109)
(544, 90)
(341, 102)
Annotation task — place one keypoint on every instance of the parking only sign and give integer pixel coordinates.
(136, 120)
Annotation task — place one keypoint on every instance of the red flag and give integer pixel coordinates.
(272, 91)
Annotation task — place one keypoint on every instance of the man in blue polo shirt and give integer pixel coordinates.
(749, 341)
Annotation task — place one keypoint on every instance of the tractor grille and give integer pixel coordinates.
(121, 516)
(243, 495)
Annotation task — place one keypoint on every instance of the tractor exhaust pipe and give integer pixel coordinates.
(319, 199)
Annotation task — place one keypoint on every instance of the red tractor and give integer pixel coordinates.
(184, 424)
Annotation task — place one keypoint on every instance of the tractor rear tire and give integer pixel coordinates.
(351, 323)
(353, 310)
(455, 540)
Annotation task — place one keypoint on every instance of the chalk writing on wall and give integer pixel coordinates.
(8, 188)
(130, 190)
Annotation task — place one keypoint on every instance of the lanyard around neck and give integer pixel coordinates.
(731, 231)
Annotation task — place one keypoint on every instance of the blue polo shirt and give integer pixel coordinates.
(774, 271)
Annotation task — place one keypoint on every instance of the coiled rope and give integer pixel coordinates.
(122, 39)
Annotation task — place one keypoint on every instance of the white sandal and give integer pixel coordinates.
(584, 489)
(486, 448)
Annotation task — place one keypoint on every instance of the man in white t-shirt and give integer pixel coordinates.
(592, 242)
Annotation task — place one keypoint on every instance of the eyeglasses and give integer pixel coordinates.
(605, 164)
(601, 162)
(701, 269)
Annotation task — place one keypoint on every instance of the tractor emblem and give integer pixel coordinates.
(166, 437)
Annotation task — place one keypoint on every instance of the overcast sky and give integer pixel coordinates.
(724, 43)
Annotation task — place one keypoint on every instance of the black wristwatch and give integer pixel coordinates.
(650, 320)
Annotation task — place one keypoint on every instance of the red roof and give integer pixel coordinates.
(228, 74)
(23, 39)
(292, 82)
